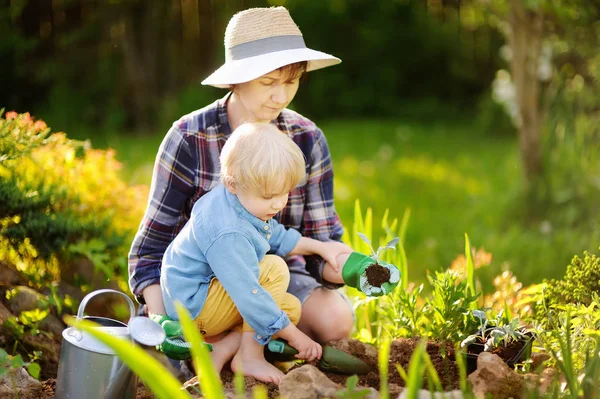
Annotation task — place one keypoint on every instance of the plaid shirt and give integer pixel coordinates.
(187, 166)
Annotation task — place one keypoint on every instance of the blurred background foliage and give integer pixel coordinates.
(431, 110)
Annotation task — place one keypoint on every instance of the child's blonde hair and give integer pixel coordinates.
(260, 159)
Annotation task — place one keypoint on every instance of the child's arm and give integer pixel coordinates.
(288, 242)
(328, 250)
(307, 348)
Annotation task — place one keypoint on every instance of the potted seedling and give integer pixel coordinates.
(509, 341)
(368, 273)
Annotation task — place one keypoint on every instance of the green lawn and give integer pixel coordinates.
(454, 179)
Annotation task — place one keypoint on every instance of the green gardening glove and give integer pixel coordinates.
(175, 346)
(370, 276)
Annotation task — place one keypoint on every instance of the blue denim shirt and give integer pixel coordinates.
(223, 240)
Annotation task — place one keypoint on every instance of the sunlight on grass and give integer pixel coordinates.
(452, 177)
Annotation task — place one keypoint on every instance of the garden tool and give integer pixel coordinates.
(332, 360)
(371, 276)
(174, 346)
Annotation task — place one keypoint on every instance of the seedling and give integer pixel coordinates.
(495, 335)
(377, 274)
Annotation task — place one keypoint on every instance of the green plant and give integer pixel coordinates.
(8, 363)
(351, 392)
(447, 307)
(497, 333)
(581, 280)
(375, 255)
(61, 199)
(580, 383)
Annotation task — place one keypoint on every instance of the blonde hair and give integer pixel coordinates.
(260, 159)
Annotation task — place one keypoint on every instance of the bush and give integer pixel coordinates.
(61, 199)
(581, 280)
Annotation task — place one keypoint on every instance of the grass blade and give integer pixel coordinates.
(383, 360)
(404, 225)
(470, 269)
(210, 383)
(415, 371)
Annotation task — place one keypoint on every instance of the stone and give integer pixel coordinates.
(493, 377)
(542, 383)
(54, 325)
(9, 276)
(307, 382)
(17, 383)
(4, 313)
(25, 299)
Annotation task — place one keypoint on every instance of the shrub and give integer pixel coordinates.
(581, 280)
(60, 199)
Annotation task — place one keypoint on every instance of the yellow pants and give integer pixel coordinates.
(220, 314)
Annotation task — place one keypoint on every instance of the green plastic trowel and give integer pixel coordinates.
(333, 360)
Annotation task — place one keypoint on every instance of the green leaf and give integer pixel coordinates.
(34, 369)
(210, 383)
(415, 371)
(17, 362)
(158, 378)
(470, 267)
(383, 359)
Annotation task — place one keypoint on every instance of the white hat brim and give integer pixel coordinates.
(247, 69)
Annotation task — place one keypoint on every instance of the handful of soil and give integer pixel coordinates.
(377, 275)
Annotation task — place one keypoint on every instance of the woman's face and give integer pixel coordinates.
(263, 98)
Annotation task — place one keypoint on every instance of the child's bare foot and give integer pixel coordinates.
(256, 367)
(224, 349)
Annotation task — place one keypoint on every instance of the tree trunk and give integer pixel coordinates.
(525, 40)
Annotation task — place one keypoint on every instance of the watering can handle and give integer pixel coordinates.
(104, 291)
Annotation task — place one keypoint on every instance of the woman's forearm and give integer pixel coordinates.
(154, 299)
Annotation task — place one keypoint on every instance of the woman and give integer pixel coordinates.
(265, 57)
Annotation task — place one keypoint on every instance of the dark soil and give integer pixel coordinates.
(377, 275)
(401, 350)
(442, 357)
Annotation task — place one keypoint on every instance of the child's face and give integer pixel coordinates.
(263, 207)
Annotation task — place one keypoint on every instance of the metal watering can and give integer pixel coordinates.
(91, 370)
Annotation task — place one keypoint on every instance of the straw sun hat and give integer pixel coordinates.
(260, 40)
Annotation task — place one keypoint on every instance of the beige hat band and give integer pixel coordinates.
(264, 46)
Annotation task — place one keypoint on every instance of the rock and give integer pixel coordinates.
(17, 383)
(373, 393)
(425, 394)
(25, 299)
(493, 377)
(4, 313)
(9, 276)
(541, 384)
(307, 382)
(53, 324)
(394, 390)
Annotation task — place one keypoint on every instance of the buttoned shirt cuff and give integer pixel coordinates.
(289, 242)
(263, 337)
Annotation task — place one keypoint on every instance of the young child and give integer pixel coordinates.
(218, 266)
